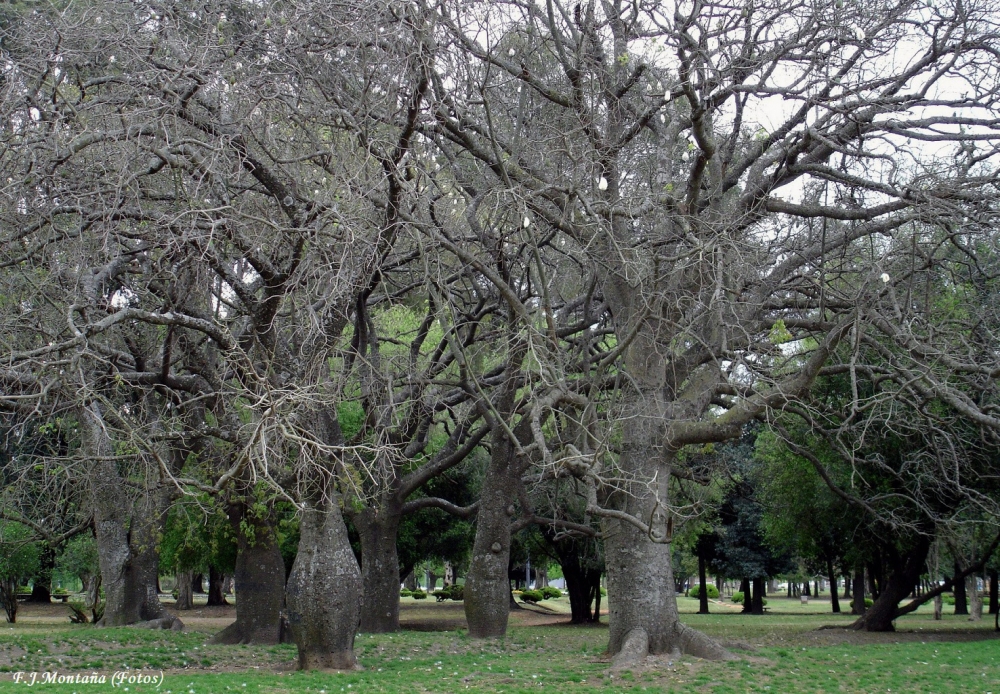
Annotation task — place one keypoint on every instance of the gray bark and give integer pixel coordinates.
(487, 586)
(185, 597)
(323, 594)
(260, 582)
(377, 528)
(127, 533)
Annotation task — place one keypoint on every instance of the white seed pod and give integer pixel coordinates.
(602, 184)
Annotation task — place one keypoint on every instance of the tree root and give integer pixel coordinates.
(684, 640)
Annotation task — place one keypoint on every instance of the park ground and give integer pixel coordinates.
(783, 651)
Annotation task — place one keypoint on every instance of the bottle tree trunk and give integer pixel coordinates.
(487, 586)
(378, 528)
(260, 580)
(643, 616)
(185, 598)
(323, 595)
(961, 598)
(903, 572)
(127, 533)
(832, 576)
(129, 565)
(488, 599)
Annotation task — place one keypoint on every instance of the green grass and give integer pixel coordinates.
(780, 652)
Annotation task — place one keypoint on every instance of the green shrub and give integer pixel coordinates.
(405, 593)
(710, 588)
(869, 602)
(418, 595)
(452, 592)
(532, 596)
(604, 592)
(551, 592)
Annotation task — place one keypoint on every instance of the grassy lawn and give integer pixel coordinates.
(781, 651)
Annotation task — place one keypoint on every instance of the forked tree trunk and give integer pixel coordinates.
(323, 595)
(127, 534)
(260, 581)
(903, 573)
(378, 528)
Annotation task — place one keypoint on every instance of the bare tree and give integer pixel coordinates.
(716, 164)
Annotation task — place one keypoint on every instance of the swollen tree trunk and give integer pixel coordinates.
(834, 600)
(260, 581)
(185, 598)
(216, 588)
(378, 528)
(487, 586)
(642, 602)
(323, 595)
(903, 573)
(127, 534)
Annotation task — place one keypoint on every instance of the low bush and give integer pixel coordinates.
(418, 595)
(405, 593)
(551, 592)
(532, 596)
(710, 588)
(452, 592)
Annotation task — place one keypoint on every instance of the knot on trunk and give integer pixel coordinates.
(496, 547)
